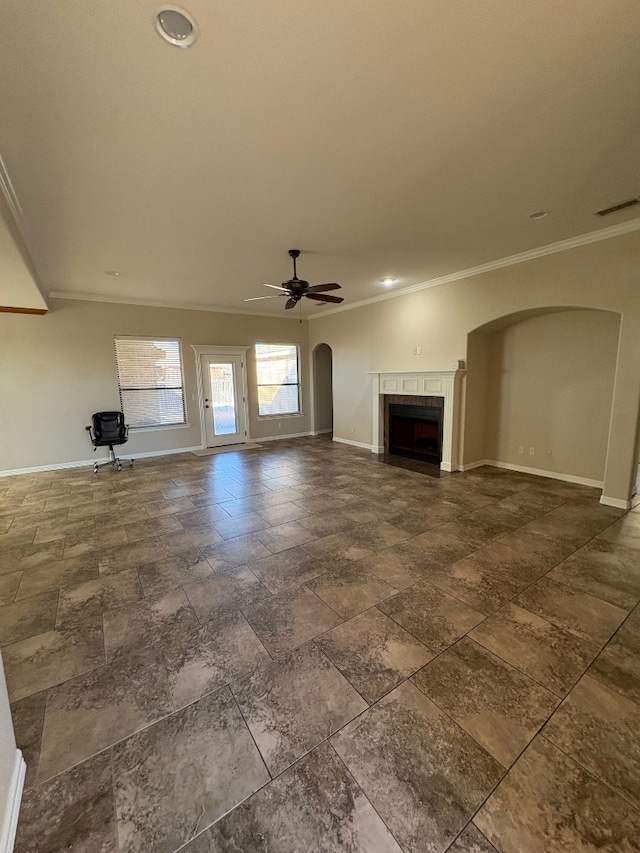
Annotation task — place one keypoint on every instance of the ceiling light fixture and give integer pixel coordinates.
(112, 272)
(389, 281)
(176, 26)
(539, 214)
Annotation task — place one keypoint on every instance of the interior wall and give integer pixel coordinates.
(382, 336)
(322, 371)
(475, 413)
(59, 368)
(549, 387)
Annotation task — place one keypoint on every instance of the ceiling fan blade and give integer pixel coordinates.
(320, 288)
(291, 303)
(321, 297)
(276, 287)
(254, 298)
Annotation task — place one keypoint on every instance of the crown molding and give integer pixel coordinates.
(511, 260)
(156, 303)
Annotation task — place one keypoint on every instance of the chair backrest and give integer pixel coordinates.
(108, 426)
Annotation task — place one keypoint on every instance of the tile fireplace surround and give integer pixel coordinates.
(424, 383)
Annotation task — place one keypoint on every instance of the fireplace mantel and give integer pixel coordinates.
(428, 383)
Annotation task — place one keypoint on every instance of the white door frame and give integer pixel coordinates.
(209, 349)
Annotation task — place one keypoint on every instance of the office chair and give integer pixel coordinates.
(108, 429)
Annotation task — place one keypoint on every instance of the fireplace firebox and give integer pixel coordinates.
(416, 432)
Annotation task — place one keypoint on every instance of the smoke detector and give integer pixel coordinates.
(176, 26)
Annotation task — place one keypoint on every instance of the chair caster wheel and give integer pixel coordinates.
(119, 468)
(95, 469)
(131, 464)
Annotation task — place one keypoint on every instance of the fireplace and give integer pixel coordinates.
(415, 431)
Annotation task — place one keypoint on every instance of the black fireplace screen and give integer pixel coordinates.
(416, 432)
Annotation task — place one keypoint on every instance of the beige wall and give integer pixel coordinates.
(549, 386)
(603, 275)
(58, 369)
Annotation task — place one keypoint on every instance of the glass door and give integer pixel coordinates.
(223, 400)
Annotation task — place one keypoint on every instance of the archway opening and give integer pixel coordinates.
(323, 389)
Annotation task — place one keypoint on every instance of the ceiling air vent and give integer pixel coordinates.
(616, 207)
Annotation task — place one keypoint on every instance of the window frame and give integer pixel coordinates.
(165, 425)
(297, 414)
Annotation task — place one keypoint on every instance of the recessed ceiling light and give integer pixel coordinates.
(112, 272)
(539, 214)
(389, 281)
(176, 26)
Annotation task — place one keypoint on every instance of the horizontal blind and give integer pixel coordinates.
(278, 379)
(150, 381)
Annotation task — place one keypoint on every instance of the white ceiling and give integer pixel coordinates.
(409, 139)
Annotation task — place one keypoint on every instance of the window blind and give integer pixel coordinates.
(150, 381)
(278, 379)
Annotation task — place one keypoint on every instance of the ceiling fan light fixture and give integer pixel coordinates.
(539, 214)
(388, 281)
(176, 26)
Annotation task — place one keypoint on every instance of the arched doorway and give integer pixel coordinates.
(323, 388)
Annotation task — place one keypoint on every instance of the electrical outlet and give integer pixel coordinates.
(532, 451)
(521, 449)
(417, 350)
(279, 424)
(353, 429)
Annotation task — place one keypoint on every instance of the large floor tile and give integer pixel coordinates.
(294, 704)
(151, 621)
(604, 569)
(424, 776)
(28, 720)
(314, 806)
(93, 597)
(374, 653)
(351, 590)
(599, 728)
(39, 662)
(186, 540)
(94, 710)
(431, 615)
(162, 575)
(9, 586)
(625, 532)
(73, 813)
(175, 778)
(234, 552)
(495, 703)
(548, 803)
(289, 568)
(205, 658)
(224, 593)
(618, 665)
(573, 610)
(56, 574)
(28, 617)
(339, 545)
(471, 840)
(548, 654)
(290, 618)
(130, 556)
(284, 536)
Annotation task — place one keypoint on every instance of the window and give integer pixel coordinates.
(278, 379)
(150, 381)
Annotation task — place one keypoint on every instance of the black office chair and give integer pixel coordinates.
(108, 429)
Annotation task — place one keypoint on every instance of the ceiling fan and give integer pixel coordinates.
(295, 288)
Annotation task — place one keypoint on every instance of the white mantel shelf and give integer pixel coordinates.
(425, 383)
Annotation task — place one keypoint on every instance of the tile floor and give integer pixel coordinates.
(302, 649)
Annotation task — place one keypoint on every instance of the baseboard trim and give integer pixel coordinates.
(616, 502)
(471, 465)
(360, 444)
(90, 462)
(259, 439)
(552, 475)
(12, 806)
